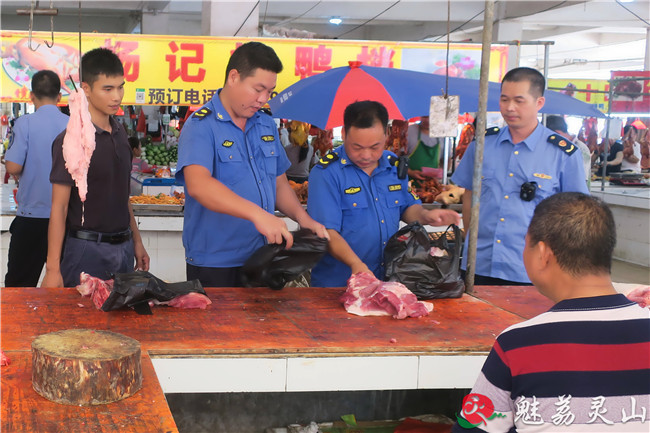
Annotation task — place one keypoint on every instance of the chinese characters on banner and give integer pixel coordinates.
(180, 70)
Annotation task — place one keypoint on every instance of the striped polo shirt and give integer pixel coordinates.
(583, 366)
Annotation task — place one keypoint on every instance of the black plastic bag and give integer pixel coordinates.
(428, 268)
(136, 289)
(273, 266)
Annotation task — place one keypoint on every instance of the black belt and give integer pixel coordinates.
(111, 238)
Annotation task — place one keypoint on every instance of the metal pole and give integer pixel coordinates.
(445, 161)
(488, 17)
(546, 58)
(606, 148)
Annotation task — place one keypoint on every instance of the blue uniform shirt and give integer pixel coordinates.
(365, 210)
(246, 162)
(504, 216)
(31, 147)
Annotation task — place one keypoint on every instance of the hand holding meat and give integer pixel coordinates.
(440, 217)
(360, 267)
(272, 228)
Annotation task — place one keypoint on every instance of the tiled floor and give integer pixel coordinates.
(623, 272)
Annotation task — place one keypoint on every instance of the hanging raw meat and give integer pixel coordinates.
(79, 142)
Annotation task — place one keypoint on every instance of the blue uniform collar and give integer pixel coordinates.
(345, 161)
(220, 113)
(530, 141)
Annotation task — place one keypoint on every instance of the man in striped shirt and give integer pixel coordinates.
(583, 366)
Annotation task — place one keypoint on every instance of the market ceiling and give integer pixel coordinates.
(590, 37)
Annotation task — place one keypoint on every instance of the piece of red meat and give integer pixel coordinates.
(79, 142)
(640, 295)
(367, 296)
(96, 288)
(191, 300)
(3, 358)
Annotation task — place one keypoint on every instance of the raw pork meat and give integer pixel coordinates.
(79, 141)
(640, 295)
(96, 288)
(367, 296)
(191, 300)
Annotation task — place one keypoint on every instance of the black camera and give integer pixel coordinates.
(528, 191)
(402, 167)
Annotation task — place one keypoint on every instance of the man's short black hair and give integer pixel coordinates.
(556, 123)
(533, 76)
(100, 61)
(579, 229)
(46, 84)
(364, 114)
(251, 56)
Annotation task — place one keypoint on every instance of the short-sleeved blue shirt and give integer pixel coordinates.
(246, 162)
(504, 216)
(365, 210)
(31, 147)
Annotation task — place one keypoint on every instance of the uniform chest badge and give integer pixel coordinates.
(353, 190)
(396, 187)
(268, 138)
(542, 176)
(227, 143)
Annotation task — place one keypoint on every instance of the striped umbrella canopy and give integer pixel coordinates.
(321, 99)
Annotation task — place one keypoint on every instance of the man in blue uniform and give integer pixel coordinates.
(356, 193)
(232, 164)
(524, 163)
(30, 157)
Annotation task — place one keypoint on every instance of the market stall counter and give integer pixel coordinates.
(251, 340)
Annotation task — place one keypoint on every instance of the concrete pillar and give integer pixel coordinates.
(224, 18)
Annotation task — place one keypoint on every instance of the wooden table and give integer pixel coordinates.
(296, 339)
(524, 301)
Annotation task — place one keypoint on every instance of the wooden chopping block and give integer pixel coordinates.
(85, 367)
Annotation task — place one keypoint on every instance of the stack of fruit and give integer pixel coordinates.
(156, 154)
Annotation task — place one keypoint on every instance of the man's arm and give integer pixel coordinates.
(55, 235)
(13, 168)
(287, 202)
(217, 197)
(432, 217)
(141, 256)
(341, 251)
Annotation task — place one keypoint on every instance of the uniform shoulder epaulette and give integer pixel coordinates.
(202, 113)
(392, 159)
(492, 131)
(562, 143)
(326, 160)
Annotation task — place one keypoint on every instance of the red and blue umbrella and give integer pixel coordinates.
(321, 99)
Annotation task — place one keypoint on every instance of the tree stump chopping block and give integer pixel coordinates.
(85, 367)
